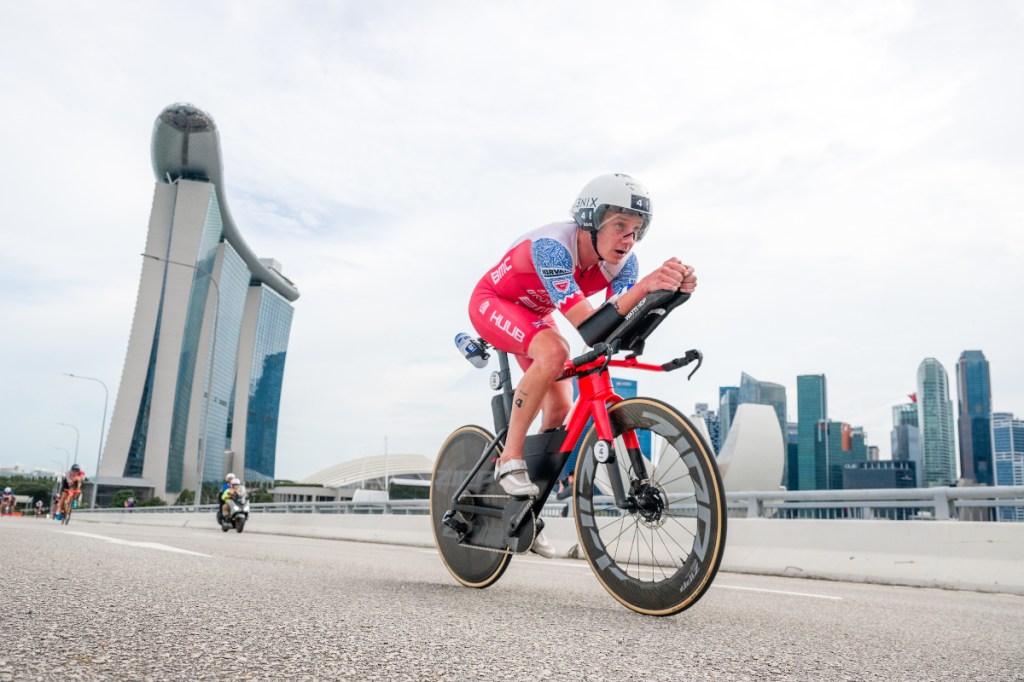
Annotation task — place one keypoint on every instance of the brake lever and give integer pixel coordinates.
(691, 355)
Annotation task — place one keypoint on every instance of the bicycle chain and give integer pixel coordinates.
(506, 550)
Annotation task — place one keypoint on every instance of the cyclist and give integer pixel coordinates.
(556, 267)
(69, 486)
(7, 502)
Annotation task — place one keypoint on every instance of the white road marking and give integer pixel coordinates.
(791, 594)
(144, 545)
(583, 564)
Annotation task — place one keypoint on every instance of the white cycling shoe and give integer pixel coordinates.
(514, 479)
(542, 546)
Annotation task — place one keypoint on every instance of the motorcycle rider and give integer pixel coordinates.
(226, 485)
(233, 492)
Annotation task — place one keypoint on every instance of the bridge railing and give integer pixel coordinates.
(981, 503)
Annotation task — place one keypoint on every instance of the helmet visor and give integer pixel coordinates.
(607, 218)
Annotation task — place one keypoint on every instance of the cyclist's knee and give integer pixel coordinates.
(549, 350)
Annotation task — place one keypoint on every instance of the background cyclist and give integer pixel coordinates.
(71, 484)
(7, 502)
(556, 267)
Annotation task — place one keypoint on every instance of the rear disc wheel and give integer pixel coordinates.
(477, 568)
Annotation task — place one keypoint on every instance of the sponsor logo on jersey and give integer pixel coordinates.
(484, 306)
(554, 272)
(503, 269)
(540, 324)
(561, 285)
(528, 302)
(499, 321)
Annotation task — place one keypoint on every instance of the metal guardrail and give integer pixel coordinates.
(981, 503)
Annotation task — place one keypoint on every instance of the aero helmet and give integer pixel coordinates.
(616, 191)
(229, 477)
(7, 490)
(75, 467)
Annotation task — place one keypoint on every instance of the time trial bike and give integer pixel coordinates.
(648, 500)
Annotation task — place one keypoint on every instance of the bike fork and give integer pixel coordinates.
(604, 453)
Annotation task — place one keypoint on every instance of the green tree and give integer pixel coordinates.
(119, 498)
(154, 502)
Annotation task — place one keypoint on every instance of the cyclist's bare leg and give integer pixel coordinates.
(556, 406)
(549, 351)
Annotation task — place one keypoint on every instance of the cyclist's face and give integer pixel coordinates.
(616, 236)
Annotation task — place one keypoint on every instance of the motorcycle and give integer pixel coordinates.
(238, 512)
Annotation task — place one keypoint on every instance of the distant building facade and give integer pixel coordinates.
(202, 378)
(906, 437)
(1008, 447)
(974, 417)
(792, 440)
(812, 410)
(728, 401)
(935, 416)
(879, 474)
(711, 420)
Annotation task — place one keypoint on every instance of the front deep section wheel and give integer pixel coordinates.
(659, 555)
(471, 566)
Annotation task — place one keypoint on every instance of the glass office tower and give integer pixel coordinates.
(935, 415)
(764, 393)
(1008, 445)
(812, 409)
(974, 417)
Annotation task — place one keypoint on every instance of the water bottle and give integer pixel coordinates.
(471, 351)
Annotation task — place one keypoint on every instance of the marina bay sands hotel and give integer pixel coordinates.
(201, 384)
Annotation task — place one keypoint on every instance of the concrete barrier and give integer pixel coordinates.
(986, 557)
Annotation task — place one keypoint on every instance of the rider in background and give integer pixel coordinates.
(7, 502)
(231, 491)
(556, 267)
(72, 483)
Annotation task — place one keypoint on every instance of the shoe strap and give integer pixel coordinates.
(510, 467)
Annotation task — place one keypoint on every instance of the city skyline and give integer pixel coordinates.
(844, 178)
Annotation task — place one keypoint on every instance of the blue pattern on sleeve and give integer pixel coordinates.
(627, 275)
(555, 269)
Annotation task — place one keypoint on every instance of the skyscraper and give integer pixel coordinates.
(728, 401)
(811, 408)
(792, 440)
(764, 393)
(974, 417)
(202, 377)
(906, 438)
(1008, 446)
(935, 415)
(711, 420)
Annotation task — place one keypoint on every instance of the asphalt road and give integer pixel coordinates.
(106, 601)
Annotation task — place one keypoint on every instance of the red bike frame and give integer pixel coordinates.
(596, 394)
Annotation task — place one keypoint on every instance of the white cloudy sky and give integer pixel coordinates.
(846, 177)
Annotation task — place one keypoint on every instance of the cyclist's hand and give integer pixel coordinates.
(672, 275)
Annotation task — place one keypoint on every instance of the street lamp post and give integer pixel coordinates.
(67, 456)
(204, 439)
(103, 426)
(77, 435)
